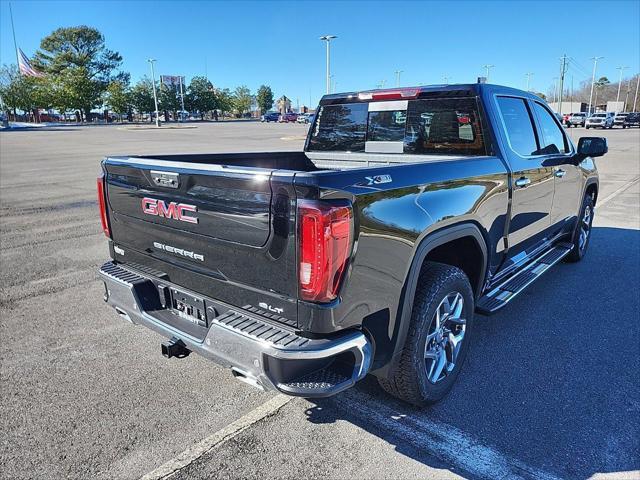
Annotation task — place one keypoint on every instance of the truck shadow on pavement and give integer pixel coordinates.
(550, 384)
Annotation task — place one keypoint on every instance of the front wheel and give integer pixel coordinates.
(438, 338)
(582, 232)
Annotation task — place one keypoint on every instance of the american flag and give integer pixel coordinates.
(25, 66)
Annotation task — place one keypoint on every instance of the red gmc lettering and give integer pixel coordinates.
(176, 211)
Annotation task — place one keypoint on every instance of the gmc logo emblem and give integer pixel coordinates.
(177, 211)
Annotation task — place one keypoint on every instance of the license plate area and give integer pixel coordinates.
(188, 307)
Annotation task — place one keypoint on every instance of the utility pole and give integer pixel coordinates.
(328, 38)
(398, 72)
(593, 80)
(626, 97)
(635, 98)
(181, 100)
(155, 95)
(487, 68)
(555, 89)
(619, 82)
(563, 70)
(528, 75)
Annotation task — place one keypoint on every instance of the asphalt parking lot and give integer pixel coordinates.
(550, 388)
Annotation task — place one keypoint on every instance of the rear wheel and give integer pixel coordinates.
(582, 233)
(438, 338)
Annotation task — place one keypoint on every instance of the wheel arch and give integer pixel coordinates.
(433, 242)
(591, 188)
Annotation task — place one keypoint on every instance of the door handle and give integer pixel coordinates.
(523, 182)
(559, 173)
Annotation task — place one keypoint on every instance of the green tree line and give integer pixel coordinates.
(79, 74)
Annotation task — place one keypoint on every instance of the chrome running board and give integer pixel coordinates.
(506, 291)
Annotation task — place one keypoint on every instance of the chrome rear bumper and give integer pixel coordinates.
(259, 352)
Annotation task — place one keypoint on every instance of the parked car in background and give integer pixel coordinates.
(303, 118)
(577, 119)
(289, 117)
(632, 120)
(565, 118)
(270, 117)
(600, 120)
(618, 120)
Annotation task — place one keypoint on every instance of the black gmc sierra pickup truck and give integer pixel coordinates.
(368, 252)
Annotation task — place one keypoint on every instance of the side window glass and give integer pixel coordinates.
(552, 139)
(518, 125)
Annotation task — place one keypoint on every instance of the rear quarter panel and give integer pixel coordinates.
(392, 219)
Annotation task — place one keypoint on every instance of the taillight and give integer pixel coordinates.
(102, 204)
(325, 232)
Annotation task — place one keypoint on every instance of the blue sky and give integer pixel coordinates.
(277, 43)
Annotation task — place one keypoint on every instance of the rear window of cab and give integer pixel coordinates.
(422, 126)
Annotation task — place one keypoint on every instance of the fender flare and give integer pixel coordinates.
(431, 241)
(590, 181)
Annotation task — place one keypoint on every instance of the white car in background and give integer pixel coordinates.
(600, 120)
(618, 120)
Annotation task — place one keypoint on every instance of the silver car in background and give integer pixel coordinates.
(618, 120)
(600, 120)
(577, 119)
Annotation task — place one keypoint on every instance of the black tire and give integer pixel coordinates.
(408, 380)
(580, 247)
(587, 127)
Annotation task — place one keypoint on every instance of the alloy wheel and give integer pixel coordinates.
(445, 337)
(585, 228)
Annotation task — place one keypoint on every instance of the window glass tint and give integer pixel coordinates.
(340, 127)
(518, 125)
(552, 140)
(386, 126)
(444, 126)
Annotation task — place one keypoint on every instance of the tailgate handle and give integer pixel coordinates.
(165, 179)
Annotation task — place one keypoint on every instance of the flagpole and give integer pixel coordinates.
(13, 30)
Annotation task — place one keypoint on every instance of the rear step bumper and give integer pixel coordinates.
(259, 352)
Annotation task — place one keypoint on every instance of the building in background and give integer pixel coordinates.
(569, 107)
(284, 104)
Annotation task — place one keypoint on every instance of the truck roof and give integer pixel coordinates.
(423, 91)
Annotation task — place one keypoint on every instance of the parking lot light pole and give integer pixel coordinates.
(619, 82)
(328, 38)
(528, 75)
(593, 80)
(155, 95)
(487, 68)
(635, 98)
(398, 72)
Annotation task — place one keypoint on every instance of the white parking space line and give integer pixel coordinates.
(611, 196)
(197, 450)
(445, 442)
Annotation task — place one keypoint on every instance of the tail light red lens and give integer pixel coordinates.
(103, 205)
(325, 235)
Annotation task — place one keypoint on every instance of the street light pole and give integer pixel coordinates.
(528, 75)
(635, 98)
(328, 38)
(181, 100)
(487, 67)
(593, 80)
(398, 72)
(619, 82)
(155, 95)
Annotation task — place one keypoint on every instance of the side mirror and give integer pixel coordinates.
(592, 146)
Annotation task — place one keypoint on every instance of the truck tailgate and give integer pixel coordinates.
(224, 232)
